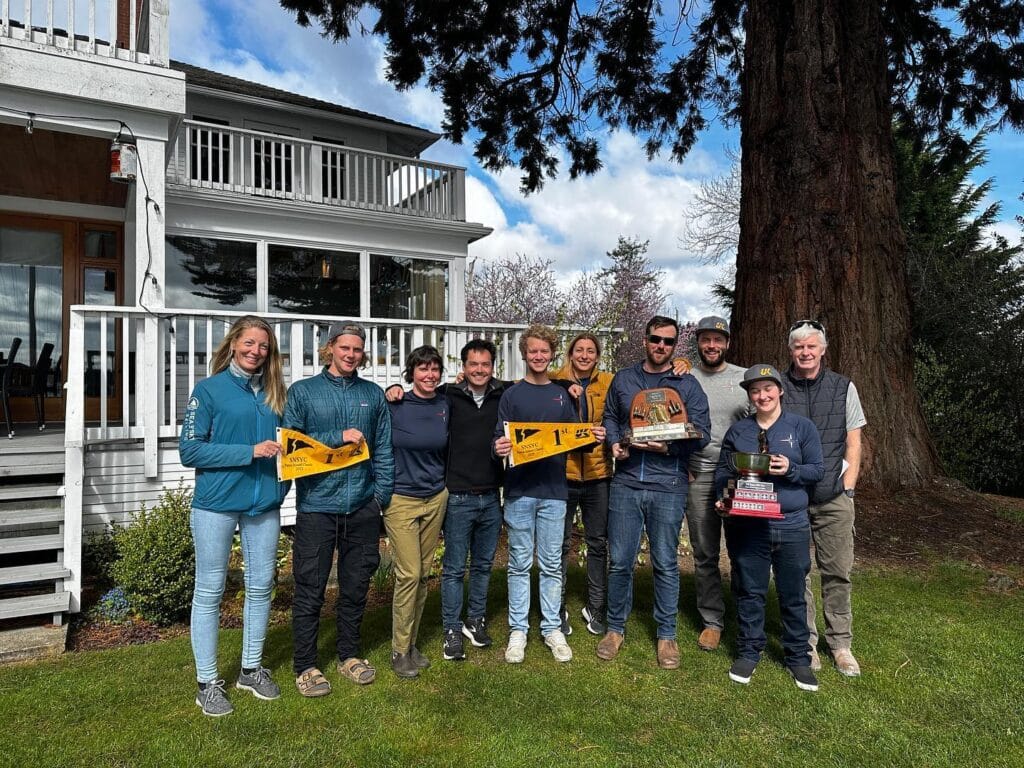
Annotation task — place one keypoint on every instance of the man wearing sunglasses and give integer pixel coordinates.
(648, 490)
(830, 400)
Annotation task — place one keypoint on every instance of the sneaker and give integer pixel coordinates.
(815, 660)
(213, 701)
(476, 631)
(609, 646)
(594, 620)
(845, 662)
(516, 650)
(709, 639)
(259, 683)
(742, 670)
(404, 666)
(563, 615)
(559, 648)
(453, 650)
(421, 661)
(804, 677)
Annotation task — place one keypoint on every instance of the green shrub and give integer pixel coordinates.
(157, 561)
(99, 552)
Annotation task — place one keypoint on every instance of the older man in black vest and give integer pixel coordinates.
(830, 400)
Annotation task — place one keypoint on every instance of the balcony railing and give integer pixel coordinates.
(241, 161)
(138, 28)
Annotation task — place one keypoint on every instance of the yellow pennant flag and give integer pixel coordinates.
(301, 455)
(533, 440)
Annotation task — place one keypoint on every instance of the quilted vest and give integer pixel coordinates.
(823, 401)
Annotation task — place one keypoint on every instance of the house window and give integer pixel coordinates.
(203, 273)
(408, 289)
(312, 281)
(210, 152)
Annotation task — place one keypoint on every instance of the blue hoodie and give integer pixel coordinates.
(224, 419)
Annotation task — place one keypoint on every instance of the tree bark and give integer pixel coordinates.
(820, 235)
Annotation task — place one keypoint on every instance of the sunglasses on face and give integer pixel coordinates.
(813, 323)
(668, 341)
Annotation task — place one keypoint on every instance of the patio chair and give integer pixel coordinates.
(20, 380)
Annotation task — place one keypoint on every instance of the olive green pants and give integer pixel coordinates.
(832, 532)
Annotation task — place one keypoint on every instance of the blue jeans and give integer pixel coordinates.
(630, 511)
(212, 533)
(527, 520)
(471, 528)
(756, 549)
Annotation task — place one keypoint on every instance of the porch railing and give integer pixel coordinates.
(129, 30)
(242, 161)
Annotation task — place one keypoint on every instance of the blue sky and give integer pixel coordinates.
(571, 222)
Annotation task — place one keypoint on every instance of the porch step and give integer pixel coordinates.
(31, 543)
(55, 602)
(25, 574)
(23, 491)
(19, 515)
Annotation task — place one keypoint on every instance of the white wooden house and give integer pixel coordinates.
(247, 199)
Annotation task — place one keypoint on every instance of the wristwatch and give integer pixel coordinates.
(850, 492)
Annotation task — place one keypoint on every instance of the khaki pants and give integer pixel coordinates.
(832, 532)
(413, 527)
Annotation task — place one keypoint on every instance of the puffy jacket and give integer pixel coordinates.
(587, 464)
(646, 469)
(323, 407)
(224, 419)
(823, 401)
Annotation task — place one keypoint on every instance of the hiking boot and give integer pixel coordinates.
(404, 666)
(804, 677)
(421, 661)
(609, 646)
(259, 683)
(668, 654)
(559, 648)
(563, 616)
(594, 620)
(742, 670)
(815, 660)
(709, 639)
(475, 631)
(516, 650)
(845, 662)
(213, 700)
(453, 650)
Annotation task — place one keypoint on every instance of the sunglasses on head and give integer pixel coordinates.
(668, 341)
(813, 323)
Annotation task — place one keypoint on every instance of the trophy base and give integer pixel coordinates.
(744, 502)
(662, 433)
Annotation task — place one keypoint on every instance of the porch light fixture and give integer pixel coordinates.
(124, 159)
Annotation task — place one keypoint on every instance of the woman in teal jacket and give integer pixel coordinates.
(230, 436)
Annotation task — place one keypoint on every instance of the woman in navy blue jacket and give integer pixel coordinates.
(759, 546)
(229, 435)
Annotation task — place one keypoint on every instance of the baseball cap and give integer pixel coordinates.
(339, 329)
(760, 372)
(712, 323)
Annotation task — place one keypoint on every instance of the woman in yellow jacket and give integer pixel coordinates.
(589, 472)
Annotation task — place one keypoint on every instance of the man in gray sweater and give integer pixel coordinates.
(727, 403)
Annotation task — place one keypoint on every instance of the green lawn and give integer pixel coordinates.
(942, 686)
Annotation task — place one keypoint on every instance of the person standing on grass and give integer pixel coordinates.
(648, 491)
(727, 403)
(589, 474)
(535, 496)
(760, 547)
(229, 435)
(832, 403)
(340, 509)
(419, 433)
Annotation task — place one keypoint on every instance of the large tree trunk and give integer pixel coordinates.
(820, 235)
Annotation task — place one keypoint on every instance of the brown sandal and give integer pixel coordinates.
(312, 683)
(358, 671)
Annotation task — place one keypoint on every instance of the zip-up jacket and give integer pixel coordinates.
(472, 465)
(595, 462)
(323, 407)
(647, 469)
(224, 419)
(823, 401)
